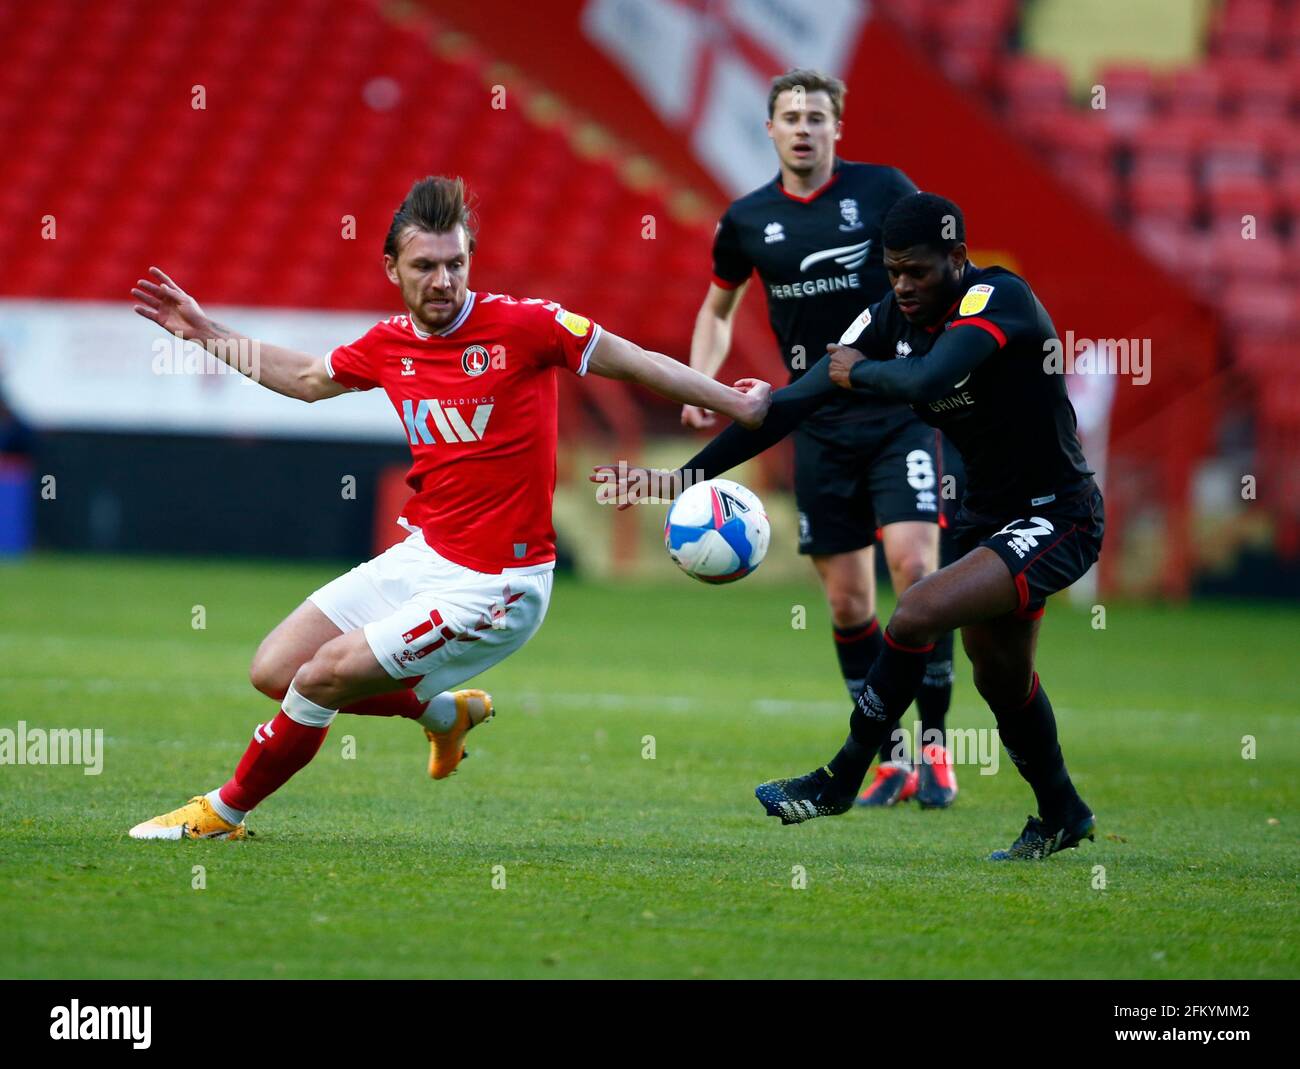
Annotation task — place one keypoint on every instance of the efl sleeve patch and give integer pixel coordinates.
(856, 328)
(577, 325)
(976, 299)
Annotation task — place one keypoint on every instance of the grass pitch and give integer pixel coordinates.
(607, 863)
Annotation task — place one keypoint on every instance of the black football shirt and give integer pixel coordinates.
(1010, 417)
(981, 375)
(820, 261)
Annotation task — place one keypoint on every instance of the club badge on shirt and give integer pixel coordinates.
(474, 360)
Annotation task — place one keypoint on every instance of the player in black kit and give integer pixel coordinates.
(862, 462)
(972, 343)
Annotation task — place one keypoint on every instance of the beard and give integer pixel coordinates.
(432, 316)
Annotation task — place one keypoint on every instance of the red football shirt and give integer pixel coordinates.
(478, 402)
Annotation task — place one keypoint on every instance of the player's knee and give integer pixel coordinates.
(850, 606)
(323, 679)
(909, 568)
(269, 676)
(915, 620)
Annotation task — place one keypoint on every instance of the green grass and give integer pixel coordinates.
(616, 865)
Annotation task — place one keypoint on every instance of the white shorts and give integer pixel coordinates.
(429, 619)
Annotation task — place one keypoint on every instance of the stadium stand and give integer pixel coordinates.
(186, 146)
(194, 160)
(1199, 161)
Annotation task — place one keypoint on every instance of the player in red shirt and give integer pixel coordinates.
(472, 377)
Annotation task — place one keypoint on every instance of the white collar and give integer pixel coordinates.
(460, 318)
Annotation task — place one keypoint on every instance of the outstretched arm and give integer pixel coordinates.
(618, 358)
(789, 406)
(710, 342)
(286, 371)
(917, 379)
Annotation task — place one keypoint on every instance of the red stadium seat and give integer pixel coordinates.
(1243, 28)
(1180, 248)
(1163, 195)
(975, 24)
(1259, 310)
(1080, 138)
(1172, 144)
(1034, 87)
(1288, 33)
(1195, 91)
(136, 176)
(1260, 260)
(1234, 195)
(1234, 151)
(1288, 191)
(1258, 88)
(1131, 95)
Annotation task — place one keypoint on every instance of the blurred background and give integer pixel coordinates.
(1137, 160)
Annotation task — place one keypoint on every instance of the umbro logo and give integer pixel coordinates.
(903, 349)
(773, 232)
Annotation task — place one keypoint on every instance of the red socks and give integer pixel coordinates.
(394, 703)
(288, 743)
(278, 750)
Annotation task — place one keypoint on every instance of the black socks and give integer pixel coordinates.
(890, 687)
(1029, 735)
(932, 702)
(857, 649)
(935, 695)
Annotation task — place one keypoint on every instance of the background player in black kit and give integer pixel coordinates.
(1030, 523)
(862, 462)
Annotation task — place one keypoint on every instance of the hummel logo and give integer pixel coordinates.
(773, 232)
(408, 365)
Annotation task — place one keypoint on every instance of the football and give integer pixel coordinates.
(717, 531)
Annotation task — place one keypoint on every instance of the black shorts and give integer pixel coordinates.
(1046, 551)
(853, 477)
(952, 488)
